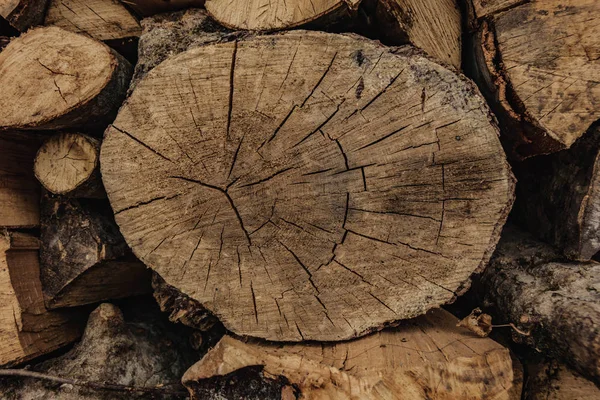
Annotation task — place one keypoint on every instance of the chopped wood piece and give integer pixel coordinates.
(68, 164)
(147, 8)
(321, 209)
(553, 381)
(539, 63)
(559, 197)
(269, 15)
(23, 14)
(483, 8)
(27, 329)
(84, 258)
(428, 357)
(52, 78)
(556, 305)
(19, 190)
(99, 19)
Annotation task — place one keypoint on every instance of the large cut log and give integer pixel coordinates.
(559, 197)
(346, 187)
(428, 357)
(69, 164)
(554, 381)
(538, 63)
(27, 329)
(84, 258)
(19, 190)
(106, 20)
(555, 305)
(52, 78)
(23, 14)
(147, 8)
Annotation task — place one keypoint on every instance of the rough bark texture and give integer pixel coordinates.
(27, 329)
(138, 352)
(19, 190)
(84, 258)
(428, 357)
(52, 78)
(558, 197)
(538, 62)
(554, 381)
(556, 303)
(147, 8)
(23, 14)
(99, 19)
(345, 171)
(69, 164)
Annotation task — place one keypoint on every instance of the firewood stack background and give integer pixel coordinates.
(299, 199)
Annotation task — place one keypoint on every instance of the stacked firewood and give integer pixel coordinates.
(299, 185)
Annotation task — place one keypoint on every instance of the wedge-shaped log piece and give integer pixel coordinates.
(23, 14)
(428, 357)
(52, 78)
(27, 329)
(346, 187)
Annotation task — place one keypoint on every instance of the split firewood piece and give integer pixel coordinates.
(539, 63)
(52, 78)
(433, 26)
(555, 305)
(23, 14)
(559, 197)
(19, 190)
(346, 187)
(84, 258)
(147, 8)
(554, 381)
(428, 357)
(27, 329)
(265, 15)
(99, 19)
(483, 8)
(68, 164)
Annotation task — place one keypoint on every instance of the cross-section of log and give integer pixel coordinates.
(99, 19)
(19, 190)
(266, 15)
(23, 14)
(69, 164)
(428, 357)
(84, 258)
(27, 330)
(343, 187)
(52, 78)
(539, 63)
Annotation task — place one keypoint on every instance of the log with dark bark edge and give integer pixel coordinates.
(265, 15)
(554, 304)
(553, 381)
(146, 8)
(27, 329)
(19, 190)
(428, 357)
(363, 186)
(84, 258)
(52, 78)
(558, 197)
(106, 20)
(538, 64)
(69, 164)
(23, 14)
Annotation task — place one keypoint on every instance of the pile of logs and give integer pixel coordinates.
(300, 185)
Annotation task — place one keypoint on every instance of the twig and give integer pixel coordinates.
(90, 384)
(511, 325)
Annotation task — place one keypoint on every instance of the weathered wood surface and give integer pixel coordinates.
(539, 63)
(84, 258)
(23, 14)
(264, 207)
(27, 329)
(99, 19)
(554, 381)
(428, 357)
(147, 8)
(52, 78)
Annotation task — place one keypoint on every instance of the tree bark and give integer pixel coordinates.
(428, 357)
(84, 258)
(377, 152)
(554, 381)
(538, 63)
(23, 14)
(68, 164)
(52, 78)
(27, 329)
(555, 303)
(19, 190)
